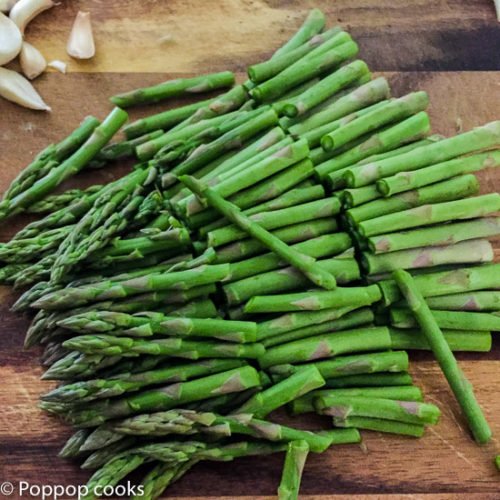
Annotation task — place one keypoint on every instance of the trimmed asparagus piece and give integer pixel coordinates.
(460, 253)
(459, 384)
(404, 181)
(431, 214)
(174, 88)
(381, 425)
(411, 412)
(327, 346)
(314, 300)
(393, 111)
(455, 320)
(295, 460)
(472, 301)
(453, 189)
(484, 137)
(299, 383)
(305, 404)
(458, 340)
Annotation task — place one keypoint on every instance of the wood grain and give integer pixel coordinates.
(203, 35)
(422, 44)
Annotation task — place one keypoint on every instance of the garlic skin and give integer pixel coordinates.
(25, 11)
(11, 40)
(58, 65)
(14, 87)
(32, 61)
(81, 40)
(6, 5)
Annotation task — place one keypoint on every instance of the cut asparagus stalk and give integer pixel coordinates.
(465, 252)
(314, 300)
(458, 340)
(327, 346)
(460, 386)
(295, 460)
(453, 189)
(484, 137)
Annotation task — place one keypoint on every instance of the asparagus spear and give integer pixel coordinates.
(73, 164)
(471, 251)
(305, 404)
(299, 383)
(295, 460)
(304, 263)
(151, 323)
(163, 120)
(431, 214)
(323, 58)
(458, 340)
(325, 88)
(357, 99)
(294, 233)
(165, 398)
(345, 270)
(240, 180)
(383, 379)
(230, 140)
(89, 390)
(460, 386)
(174, 88)
(110, 345)
(105, 290)
(455, 320)
(448, 190)
(263, 191)
(381, 425)
(483, 137)
(407, 130)
(327, 207)
(376, 362)
(411, 412)
(359, 317)
(471, 301)
(443, 283)
(327, 346)
(50, 157)
(263, 71)
(314, 300)
(393, 111)
(404, 181)
(312, 25)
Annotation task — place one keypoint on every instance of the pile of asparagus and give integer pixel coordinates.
(244, 264)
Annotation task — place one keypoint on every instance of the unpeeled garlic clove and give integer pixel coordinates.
(26, 10)
(32, 61)
(11, 40)
(6, 5)
(81, 41)
(16, 88)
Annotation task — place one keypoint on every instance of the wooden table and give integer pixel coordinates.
(448, 48)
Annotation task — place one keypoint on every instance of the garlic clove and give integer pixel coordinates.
(81, 41)
(32, 61)
(11, 40)
(58, 65)
(16, 88)
(26, 10)
(6, 5)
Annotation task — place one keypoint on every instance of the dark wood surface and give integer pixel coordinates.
(450, 49)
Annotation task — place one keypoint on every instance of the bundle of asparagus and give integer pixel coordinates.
(244, 265)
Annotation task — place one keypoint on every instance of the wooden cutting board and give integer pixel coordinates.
(450, 49)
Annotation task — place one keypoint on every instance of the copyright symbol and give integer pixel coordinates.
(6, 488)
